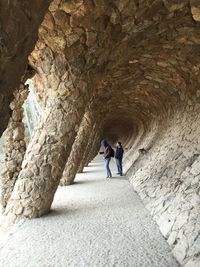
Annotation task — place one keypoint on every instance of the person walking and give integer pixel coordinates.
(108, 153)
(118, 158)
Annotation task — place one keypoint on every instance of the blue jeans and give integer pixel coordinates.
(119, 166)
(108, 172)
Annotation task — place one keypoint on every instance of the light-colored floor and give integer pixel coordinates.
(94, 223)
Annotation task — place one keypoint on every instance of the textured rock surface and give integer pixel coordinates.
(168, 181)
(14, 144)
(93, 139)
(100, 48)
(94, 222)
(67, 66)
(140, 59)
(78, 149)
(44, 162)
(19, 23)
(95, 146)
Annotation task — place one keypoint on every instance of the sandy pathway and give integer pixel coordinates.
(94, 223)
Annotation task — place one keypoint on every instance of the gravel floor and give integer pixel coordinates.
(94, 223)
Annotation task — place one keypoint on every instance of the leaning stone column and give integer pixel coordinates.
(14, 144)
(94, 149)
(88, 149)
(78, 148)
(45, 158)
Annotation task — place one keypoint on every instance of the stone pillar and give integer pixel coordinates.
(78, 149)
(94, 149)
(14, 144)
(88, 148)
(95, 146)
(45, 158)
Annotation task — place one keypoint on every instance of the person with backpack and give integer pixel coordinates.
(118, 158)
(108, 153)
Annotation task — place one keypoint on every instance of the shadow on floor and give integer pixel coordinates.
(91, 171)
(88, 181)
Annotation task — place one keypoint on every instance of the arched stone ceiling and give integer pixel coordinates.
(148, 42)
(145, 54)
(119, 126)
(133, 63)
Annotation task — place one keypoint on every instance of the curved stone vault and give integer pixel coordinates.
(122, 70)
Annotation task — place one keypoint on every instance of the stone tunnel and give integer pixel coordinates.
(120, 70)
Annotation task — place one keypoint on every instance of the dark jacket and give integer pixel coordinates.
(107, 152)
(119, 153)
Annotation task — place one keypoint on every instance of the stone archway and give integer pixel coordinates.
(141, 58)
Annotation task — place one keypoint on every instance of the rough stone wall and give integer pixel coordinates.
(14, 144)
(167, 178)
(19, 23)
(144, 139)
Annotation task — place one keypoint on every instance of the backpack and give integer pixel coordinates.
(112, 152)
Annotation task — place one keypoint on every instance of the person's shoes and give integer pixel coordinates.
(121, 174)
(117, 173)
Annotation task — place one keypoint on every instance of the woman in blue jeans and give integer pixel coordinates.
(118, 158)
(107, 156)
